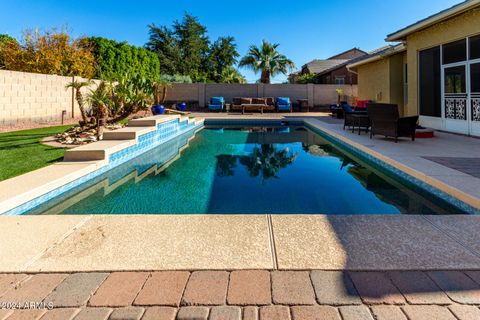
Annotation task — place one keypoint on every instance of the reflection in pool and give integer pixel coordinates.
(246, 170)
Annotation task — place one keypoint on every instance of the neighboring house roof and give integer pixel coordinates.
(349, 54)
(433, 19)
(323, 66)
(319, 66)
(378, 54)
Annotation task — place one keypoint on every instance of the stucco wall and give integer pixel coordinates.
(396, 81)
(460, 27)
(382, 80)
(374, 81)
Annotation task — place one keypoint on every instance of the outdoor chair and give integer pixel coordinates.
(216, 104)
(385, 120)
(348, 113)
(270, 104)
(284, 104)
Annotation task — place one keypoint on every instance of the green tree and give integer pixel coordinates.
(116, 59)
(231, 75)
(185, 49)
(164, 43)
(307, 78)
(267, 60)
(101, 99)
(50, 52)
(77, 86)
(223, 55)
(4, 40)
(194, 45)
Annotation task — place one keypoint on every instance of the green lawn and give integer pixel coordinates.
(22, 151)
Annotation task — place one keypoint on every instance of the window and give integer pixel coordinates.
(455, 51)
(429, 82)
(339, 80)
(474, 44)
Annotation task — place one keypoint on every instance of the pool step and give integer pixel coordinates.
(99, 150)
(127, 133)
(152, 121)
(117, 140)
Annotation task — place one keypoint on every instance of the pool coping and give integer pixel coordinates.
(27, 187)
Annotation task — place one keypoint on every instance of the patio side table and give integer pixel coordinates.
(360, 121)
(303, 104)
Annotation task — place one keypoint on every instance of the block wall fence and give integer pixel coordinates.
(40, 98)
(316, 94)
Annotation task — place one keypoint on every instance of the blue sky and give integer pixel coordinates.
(305, 29)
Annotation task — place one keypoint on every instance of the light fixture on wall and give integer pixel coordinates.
(64, 114)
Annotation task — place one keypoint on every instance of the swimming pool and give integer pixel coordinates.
(247, 170)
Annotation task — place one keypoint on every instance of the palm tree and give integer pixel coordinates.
(77, 86)
(267, 60)
(100, 100)
(231, 75)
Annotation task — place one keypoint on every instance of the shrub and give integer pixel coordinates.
(307, 78)
(50, 52)
(115, 59)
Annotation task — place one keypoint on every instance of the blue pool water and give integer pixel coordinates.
(246, 170)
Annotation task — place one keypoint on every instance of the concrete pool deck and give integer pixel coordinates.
(235, 242)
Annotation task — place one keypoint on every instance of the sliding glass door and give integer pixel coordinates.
(460, 73)
(455, 98)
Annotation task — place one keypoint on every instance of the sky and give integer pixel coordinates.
(305, 29)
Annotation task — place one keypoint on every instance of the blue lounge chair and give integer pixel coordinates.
(283, 104)
(216, 104)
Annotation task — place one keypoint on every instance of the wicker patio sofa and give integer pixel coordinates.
(253, 104)
(385, 120)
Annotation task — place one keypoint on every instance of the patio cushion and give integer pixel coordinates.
(245, 101)
(217, 100)
(215, 106)
(347, 107)
(270, 101)
(259, 101)
(283, 107)
(283, 100)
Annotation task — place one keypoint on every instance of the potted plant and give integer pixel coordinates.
(159, 95)
(339, 95)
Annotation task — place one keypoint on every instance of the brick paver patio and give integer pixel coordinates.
(242, 294)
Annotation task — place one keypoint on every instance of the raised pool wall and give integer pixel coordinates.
(163, 133)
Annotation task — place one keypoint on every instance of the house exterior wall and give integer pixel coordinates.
(329, 78)
(374, 81)
(460, 27)
(396, 81)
